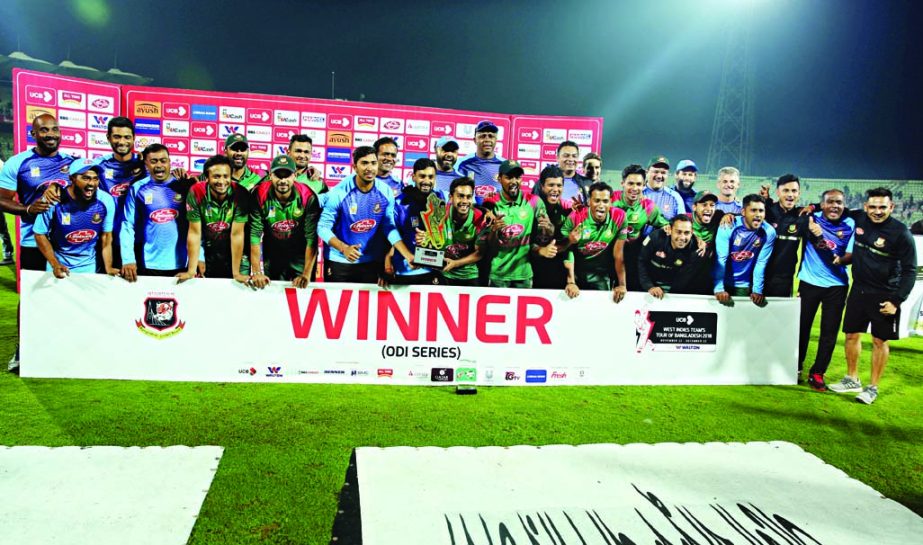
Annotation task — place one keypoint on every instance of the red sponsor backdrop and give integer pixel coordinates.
(536, 139)
(83, 109)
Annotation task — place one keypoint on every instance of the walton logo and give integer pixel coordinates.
(163, 215)
(81, 236)
(363, 226)
(160, 319)
(274, 371)
(147, 109)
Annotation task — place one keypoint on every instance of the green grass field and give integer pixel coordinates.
(287, 446)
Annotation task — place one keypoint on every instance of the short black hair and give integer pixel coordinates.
(879, 192)
(680, 217)
(753, 197)
(823, 196)
(598, 186)
(423, 163)
(551, 171)
(458, 182)
(568, 144)
(215, 160)
(787, 179)
(634, 169)
(363, 151)
(300, 138)
(154, 148)
(120, 122)
(383, 141)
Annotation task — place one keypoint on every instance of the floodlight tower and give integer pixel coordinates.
(732, 132)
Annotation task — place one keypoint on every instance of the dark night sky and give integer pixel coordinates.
(837, 85)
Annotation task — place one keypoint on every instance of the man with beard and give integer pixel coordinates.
(742, 252)
(217, 211)
(70, 234)
(446, 155)
(823, 280)
(237, 150)
(596, 236)
(640, 212)
(357, 223)
(386, 151)
(785, 217)
(883, 274)
(728, 183)
(669, 261)
(549, 266)
(483, 167)
(519, 220)
(407, 208)
(153, 234)
(686, 172)
(706, 219)
(567, 155)
(668, 201)
(299, 149)
(287, 212)
(23, 182)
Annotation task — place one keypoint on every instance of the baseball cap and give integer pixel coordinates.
(234, 139)
(687, 164)
(659, 160)
(486, 126)
(510, 168)
(81, 165)
(447, 143)
(283, 162)
(704, 196)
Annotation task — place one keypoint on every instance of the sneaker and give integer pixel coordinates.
(7, 259)
(868, 396)
(13, 365)
(816, 381)
(847, 385)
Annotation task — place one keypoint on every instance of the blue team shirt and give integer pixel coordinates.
(742, 255)
(73, 228)
(667, 200)
(355, 217)
(155, 223)
(444, 180)
(116, 180)
(29, 174)
(392, 182)
(817, 266)
(734, 207)
(407, 219)
(484, 172)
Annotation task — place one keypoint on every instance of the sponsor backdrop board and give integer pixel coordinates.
(620, 494)
(537, 139)
(420, 336)
(83, 108)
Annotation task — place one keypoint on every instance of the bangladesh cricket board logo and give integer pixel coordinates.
(160, 319)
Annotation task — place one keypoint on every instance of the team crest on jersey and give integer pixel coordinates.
(839, 234)
(792, 228)
(353, 208)
(149, 198)
(738, 241)
(633, 217)
(160, 319)
(136, 171)
(66, 218)
(376, 209)
(523, 214)
(880, 243)
(298, 212)
(757, 243)
(109, 174)
(35, 172)
(678, 262)
(177, 197)
(65, 168)
(97, 218)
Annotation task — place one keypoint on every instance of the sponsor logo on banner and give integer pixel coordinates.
(175, 110)
(318, 153)
(411, 158)
(204, 147)
(466, 374)
(73, 138)
(337, 172)
(366, 123)
(251, 371)
(259, 166)
(147, 126)
(274, 371)
(142, 142)
(442, 128)
(391, 124)
(512, 376)
(385, 373)
(200, 129)
(417, 126)
(317, 135)
(260, 151)
(364, 139)
(69, 118)
(70, 99)
(100, 103)
(281, 149)
(528, 151)
(34, 111)
(582, 137)
(98, 122)
(465, 130)
(339, 121)
(441, 374)
(147, 109)
(80, 236)
(363, 226)
(339, 139)
(530, 167)
(172, 127)
(44, 96)
(554, 136)
(536, 375)
(418, 144)
(204, 112)
(163, 215)
(259, 133)
(287, 117)
(359, 373)
(529, 134)
(549, 153)
(198, 164)
(283, 135)
(178, 161)
(339, 155)
(231, 114)
(334, 371)
(465, 148)
(398, 138)
(73, 152)
(314, 120)
(558, 374)
(97, 140)
(259, 115)
(160, 318)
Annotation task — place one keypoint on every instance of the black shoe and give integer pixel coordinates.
(7, 259)
(816, 381)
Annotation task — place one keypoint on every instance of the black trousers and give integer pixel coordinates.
(778, 286)
(833, 300)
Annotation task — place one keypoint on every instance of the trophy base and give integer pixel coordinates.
(429, 258)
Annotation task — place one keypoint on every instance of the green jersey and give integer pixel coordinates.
(639, 215)
(248, 179)
(216, 219)
(513, 243)
(462, 239)
(289, 227)
(592, 254)
(319, 187)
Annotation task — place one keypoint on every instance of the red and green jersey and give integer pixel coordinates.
(288, 227)
(639, 215)
(317, 186)
(248, 179)
(217, 218)
(462, 239)
(512, 243)
(593, 252)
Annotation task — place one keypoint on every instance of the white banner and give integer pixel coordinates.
(912, 310)
(94, 326)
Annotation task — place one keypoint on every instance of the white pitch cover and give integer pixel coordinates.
(610, 494)
(103, 495)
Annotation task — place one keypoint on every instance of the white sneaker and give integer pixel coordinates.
(13, 365)
(868, 396)
(847, 385)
